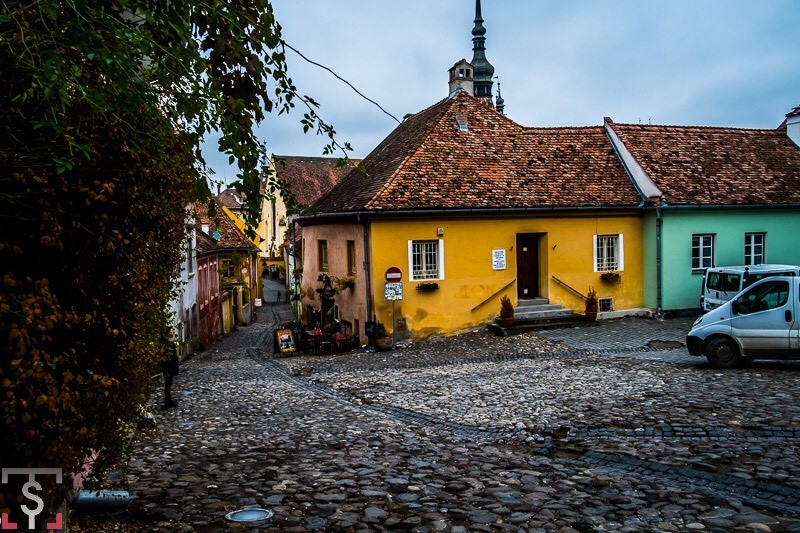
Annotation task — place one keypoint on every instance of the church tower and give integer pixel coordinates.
(483, 71)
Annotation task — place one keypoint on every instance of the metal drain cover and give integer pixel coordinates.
(249, 515)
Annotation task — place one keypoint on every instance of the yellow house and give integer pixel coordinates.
(272, 225)
(471, 206)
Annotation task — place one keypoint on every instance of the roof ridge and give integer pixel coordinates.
(696, 127)
(528, 129)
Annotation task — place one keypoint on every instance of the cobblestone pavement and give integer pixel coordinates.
(588, 429)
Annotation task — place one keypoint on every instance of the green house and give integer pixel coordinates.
(712, 197)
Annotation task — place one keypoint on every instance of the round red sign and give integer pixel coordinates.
(393, 274)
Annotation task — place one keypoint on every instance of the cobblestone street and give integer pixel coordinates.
(605, 428)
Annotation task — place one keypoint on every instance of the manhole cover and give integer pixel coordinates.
(249, 515)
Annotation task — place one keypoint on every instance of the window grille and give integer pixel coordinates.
(425, 260)
(607, 253)
(605, 304)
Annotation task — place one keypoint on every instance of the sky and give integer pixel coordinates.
(731, 63)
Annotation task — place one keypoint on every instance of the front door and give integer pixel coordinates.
(527, 265)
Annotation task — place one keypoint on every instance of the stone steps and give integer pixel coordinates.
(538, 314)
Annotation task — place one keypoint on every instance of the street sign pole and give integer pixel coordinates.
(394, 278)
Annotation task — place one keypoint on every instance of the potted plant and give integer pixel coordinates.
(383, 341)
(344, 283)
(592, 305)
(506, 317)
(428, 286)
(610, 277)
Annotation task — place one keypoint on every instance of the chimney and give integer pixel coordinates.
(793, 125)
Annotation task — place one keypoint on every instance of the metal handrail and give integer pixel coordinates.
(565, 284)
(501, 289)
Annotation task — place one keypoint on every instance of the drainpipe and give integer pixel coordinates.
(367, 267)
(659, 282)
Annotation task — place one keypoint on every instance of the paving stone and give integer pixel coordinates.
(601, 428)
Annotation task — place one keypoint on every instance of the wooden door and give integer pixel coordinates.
(527, 265)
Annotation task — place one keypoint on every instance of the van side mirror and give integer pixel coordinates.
(735, 307)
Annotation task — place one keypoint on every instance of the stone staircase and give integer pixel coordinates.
(538, 314)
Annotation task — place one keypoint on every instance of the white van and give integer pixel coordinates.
(720, 284)
(763, 321)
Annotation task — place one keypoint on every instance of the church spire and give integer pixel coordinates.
(483, 70)
(500, 104)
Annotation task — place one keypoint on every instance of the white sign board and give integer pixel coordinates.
(393, 291)
(498, 259)
(258, 302)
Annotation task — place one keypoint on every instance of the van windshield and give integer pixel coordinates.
(722, 281)
(752, 278)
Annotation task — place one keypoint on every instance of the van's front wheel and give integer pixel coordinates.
(723, 353)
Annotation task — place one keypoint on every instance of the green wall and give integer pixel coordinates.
(681, 287)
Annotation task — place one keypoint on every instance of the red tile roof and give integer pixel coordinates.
(308, 178)
(230, 235)
(231, 199)
(695, 165)
(429, 162)
(205, 244)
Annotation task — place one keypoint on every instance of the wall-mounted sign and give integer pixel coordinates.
(393, 291)
(499, 259)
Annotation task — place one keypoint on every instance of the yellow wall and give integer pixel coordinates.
(566, 251)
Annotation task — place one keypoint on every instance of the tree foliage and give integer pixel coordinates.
(105, 105)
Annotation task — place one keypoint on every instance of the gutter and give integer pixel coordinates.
(659, 278)
(460, 211)
(367, 266)
(721, 206)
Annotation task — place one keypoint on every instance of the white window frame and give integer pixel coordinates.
(703, 236)
(620, 266)
(749, 254)
(439, 257)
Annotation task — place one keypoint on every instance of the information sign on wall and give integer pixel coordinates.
(499, 259)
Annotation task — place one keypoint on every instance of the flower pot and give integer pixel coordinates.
(504, 322)
(591, 316)
(383, 343)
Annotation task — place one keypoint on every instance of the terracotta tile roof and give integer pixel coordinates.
(205, 244)
(460, 153)
(695, 165)
(230, 235)
(231, 199)
(308, 178)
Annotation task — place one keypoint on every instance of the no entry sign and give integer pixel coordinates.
(393, 274)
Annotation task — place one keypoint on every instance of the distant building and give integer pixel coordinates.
(303, 181)
(238, 264)
(476, 77)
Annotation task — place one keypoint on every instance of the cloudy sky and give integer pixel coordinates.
(560, 62)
